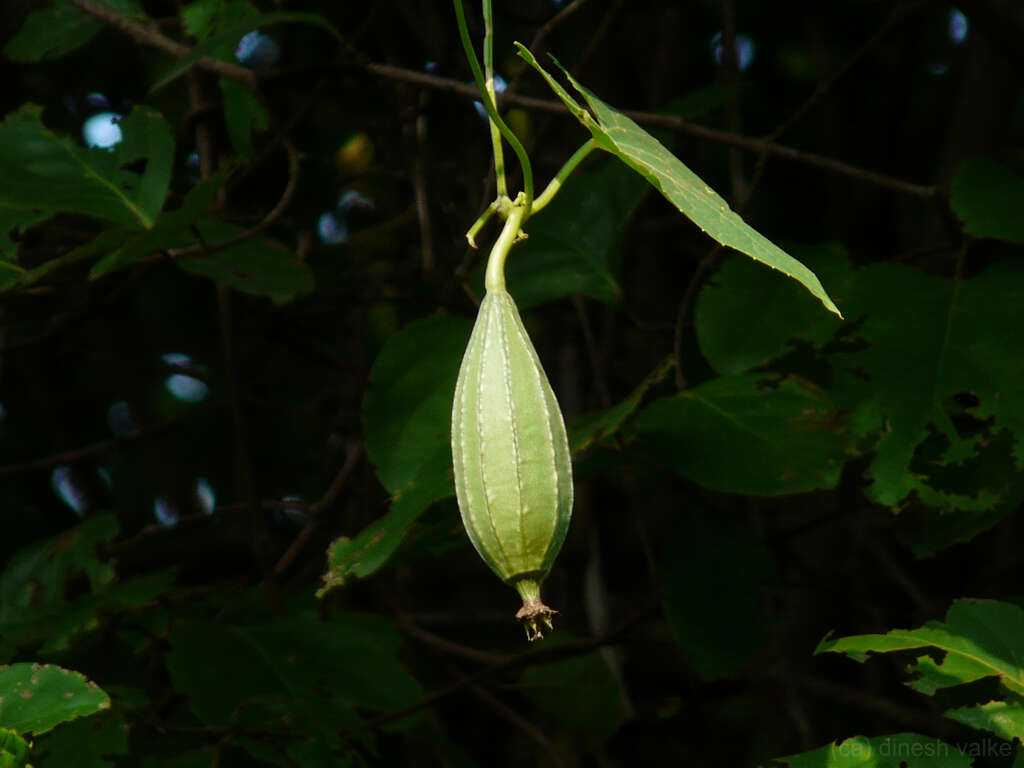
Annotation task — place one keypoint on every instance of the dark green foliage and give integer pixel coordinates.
(186, 342)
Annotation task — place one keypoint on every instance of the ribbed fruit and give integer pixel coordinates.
(513, 472)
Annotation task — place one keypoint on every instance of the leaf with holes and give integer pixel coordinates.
(36, 697)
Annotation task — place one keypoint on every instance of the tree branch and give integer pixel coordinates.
(673, 123)
(153, 38)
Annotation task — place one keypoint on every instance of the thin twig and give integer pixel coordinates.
(316, 510)
(243, 459)
(540, 655)
(671, 122)
(88, 451)
(294, 162)
(869, 702)
(554, 22)
(147, 35)
(546, 29)
(419, 184)
(428, 638)
(595, 358)
(514, 718)
(899, 15)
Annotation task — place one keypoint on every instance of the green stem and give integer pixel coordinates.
(492, 112)
(494, 280)
(556, 183)
(499, 158)
(484, 217)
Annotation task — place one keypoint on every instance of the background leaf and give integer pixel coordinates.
(988, 198)
(746, 317)
(54, 32)
(713, 574)
(44, 172)
(38, 697)
(85, 743)
(581, 693)
(981, 638)
(574, 243)
(744, 434)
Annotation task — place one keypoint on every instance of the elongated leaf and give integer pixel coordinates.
(36, 697)
(981, 638)
(740, 434)
(619, 135)
(989, 199)
(43, 172)
(899, 750)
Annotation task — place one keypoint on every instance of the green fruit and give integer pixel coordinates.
(513, 472)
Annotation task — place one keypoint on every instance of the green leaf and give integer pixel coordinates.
(259, 265)
(574, 243)
(12, 221)
(38, 576)
(243, 114)
(43, 172)
(60, 29)
(592, 428)
(36, 697)
(296, 669)
(1005, 719)
(172, 230)
(13, 749)
(227, 35)
(374, 545)
(407, 418)
(712, 572)
(981, 638)
(408, 406)
(617, 134)
(198, 17)
(37, 585)
(928, 340)
(742, 434)
(85, 743)
(989, 198)
(745, 317)
(582, 693)
(900, 750)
